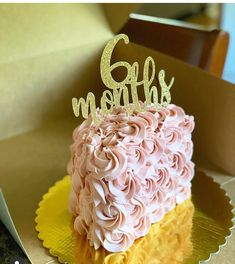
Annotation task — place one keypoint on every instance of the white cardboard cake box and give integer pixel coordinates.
(50, 53)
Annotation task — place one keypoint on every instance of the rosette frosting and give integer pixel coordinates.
(128, 172)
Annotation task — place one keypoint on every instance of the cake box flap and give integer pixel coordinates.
(37, 41)
(113, 11)
(30, 30)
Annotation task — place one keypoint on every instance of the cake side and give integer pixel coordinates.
(128, 172)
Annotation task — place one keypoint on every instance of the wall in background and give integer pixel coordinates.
(228, 24)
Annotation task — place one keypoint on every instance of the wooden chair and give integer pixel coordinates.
(195, 45)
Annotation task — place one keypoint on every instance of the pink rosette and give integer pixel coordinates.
(168, 185)
(146, 171)
(187, 149)
(165, 181)
(118, 114)
(151, 120)
(77, 163)
(157, 214)
(118, 240)
(92, 139)
(162, 175)
(133, 131)
(175, 115)
(114, 241)
(110, 215)
(155, 201)
(149, 187)
(76, 150)
(153, 147)
(172, 137)
(169, 203)
(187, 173)
(80, 163)
(73, 202)
(98, 189)
(108, 128)
(77, 182)
(163, 113)
(136, 157)
(142, 227)
(183, 193)
(85, 206)
(138, 210)
(104, 162)
(187, 124)
(176, 161)
(112, 139)
(124, 187)
(82, 129)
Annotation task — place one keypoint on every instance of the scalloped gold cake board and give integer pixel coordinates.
(190, 233)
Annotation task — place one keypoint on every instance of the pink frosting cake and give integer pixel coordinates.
(128, 172)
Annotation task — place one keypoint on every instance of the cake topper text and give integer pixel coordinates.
(119, 90)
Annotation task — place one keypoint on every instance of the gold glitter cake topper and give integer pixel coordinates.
(119, 90)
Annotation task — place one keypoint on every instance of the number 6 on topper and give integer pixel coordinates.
(120, 90)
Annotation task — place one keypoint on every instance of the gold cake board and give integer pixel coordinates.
(189, 234)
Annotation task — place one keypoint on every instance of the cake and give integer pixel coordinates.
(128, 173)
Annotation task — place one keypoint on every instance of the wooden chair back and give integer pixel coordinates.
(202, 48)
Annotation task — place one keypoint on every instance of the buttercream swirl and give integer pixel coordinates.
(128, 172)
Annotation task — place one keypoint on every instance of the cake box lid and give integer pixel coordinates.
(37, 40)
